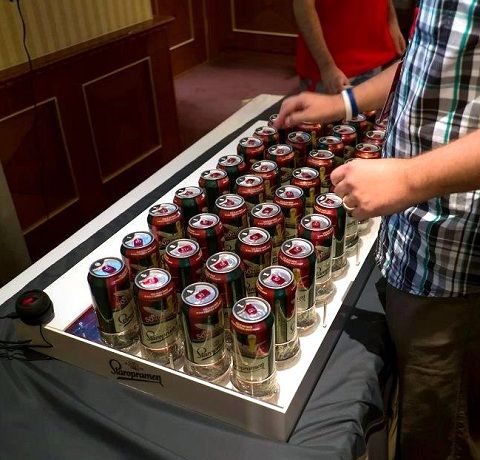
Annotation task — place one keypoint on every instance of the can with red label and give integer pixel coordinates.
(308, 180)
(207, 230)
(206, 356)
(252, 189)
(291, 200)
(298, 254)
(253, 330)
(282, 132)
(139, 251)
(349, 135)
(226, 271)
(254, 246)
(234, 165)
(359, 123)
(318, 229)
(215, 183)
(183, 260)
(251, 149)
(315, 130)
(374, 136)
(233, 213)
(335, 145)
(284, 156)
(268, 134)
(367, 151)
(276, 285)
(380, 124)
(191, 200)
(269, 216)
(269, 172)
(301, 143)
(157, 305)
(112, 297)
(331, 205)
(166, 223)
(322, 161)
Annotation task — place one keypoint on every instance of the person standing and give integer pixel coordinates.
(344, 43)
(426, 187)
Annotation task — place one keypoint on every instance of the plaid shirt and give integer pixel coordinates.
(433, 249)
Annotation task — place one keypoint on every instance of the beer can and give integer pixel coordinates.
(331, 205)
(380, 124)
(204, 332)
(269, 172)
(318, 229)
(166, 223)
(157, 305)
(315, 130)
(367, 151)
(276, 285)
(370, 115)
(282, 132)
(207, 230)
(298, 254)
(308, 180)
(226, 271)
(268, 134)
(322, 161)
(254, 246)
(269, 216)
(301, 143)
(235, 166)
(251, 149)
(112, 298)
(374, 136)
(252, 189)
(139, 251)
(284, 156)
(183, 260)
(291, 200)
(359, 123)
(233, 213)
(253, 331)
(348, 134)
(191, 200)
(335, 145)
(215, 183)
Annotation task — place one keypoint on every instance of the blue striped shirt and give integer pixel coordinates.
(433, 249)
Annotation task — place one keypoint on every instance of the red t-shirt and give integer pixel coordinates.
(356, 33)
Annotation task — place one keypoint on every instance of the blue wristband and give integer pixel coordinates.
(353, 102)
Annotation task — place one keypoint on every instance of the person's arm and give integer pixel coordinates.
(311, 29)
(395, 31)
(390, 185)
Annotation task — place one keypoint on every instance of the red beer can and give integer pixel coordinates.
(348, 134)
(166, 223)
(251, 149)
(269, 172)
(335, 145)
(359, 123)
(370, 115)
(301, 143)
(254, 246)
(207, 230)
(233, 214)
(284, 156)
(291, 200)
(268, 134)
(282, 132)
(234, 165)
(308, 180)
(322, 161)
(380, 124)
(139, 251)
(367, 151)
(215, 183)
(315, 130)
(374, 136)
(269, 216)
(191, 200)
(252, 189)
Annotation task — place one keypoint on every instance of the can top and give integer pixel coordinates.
(204, 220)
(329, 200)
(223, 262)
(152, 279)
(276, 277)
(230, 160)
(163, 209)
(316, 222)
(264, 166)
(182, 248)
(250, 141)
(200, 294)
(213, 174)
(107, 267)
(305, 173)
(280, 149)
(254, 236)
(251, 309)
(299, 137)
(297, 248)
(265, 130)
(367, 147)
(229, 201)
(249, 180)
(375, 134)
(329, 140)
(344, 129)
(273, 117)
(289, 192)
(266, 210)
(360, 117)
(137, 240)
(321, 153)
(188, 192)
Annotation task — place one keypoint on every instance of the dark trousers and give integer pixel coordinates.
(437, 343)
